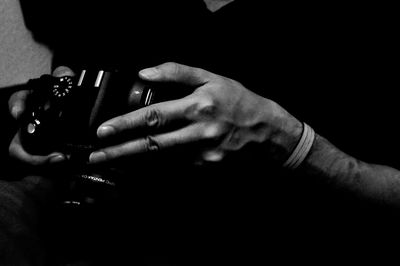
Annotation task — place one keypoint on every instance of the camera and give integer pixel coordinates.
(63, 114)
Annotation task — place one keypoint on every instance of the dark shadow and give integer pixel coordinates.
(39, 18)
(121, 33)
(317, 61)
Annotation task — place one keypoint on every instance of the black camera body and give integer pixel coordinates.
(63, 114)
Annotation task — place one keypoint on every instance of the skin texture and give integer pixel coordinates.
(376, 182)
(225, 118)
(221, 114)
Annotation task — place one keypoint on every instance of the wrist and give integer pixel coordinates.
(284, 132)
(302, 148)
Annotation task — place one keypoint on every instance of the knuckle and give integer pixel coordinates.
(203, 106)
(206, 107)
(223, 84)
(153, 118)
(219, 84)
(171, 65)
(151, 144)
(173, 69)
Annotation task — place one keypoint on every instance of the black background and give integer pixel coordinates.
(331, 64)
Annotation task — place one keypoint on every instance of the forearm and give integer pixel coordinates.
(378, 182)
(325, 162)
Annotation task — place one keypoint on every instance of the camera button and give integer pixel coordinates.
(31, 128)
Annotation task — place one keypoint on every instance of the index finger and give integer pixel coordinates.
(147, 118)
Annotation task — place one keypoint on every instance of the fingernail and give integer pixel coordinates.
(15, 111)
(149, 73)
(57, 158)
(97, 157)
(105, 131)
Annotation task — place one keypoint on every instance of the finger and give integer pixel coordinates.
(173, 72)
(190, 134)
(63, 71)
(16, 103)
(16, 151)
(148, 118)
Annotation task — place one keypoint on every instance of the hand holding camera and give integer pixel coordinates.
(113, 116)
(17, 105)
(61, 112)
(59, 116)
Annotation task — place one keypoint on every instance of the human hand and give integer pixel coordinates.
(16, 105)
(220, 114)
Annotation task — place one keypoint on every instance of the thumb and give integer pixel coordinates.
(16, 103)
(173, 72)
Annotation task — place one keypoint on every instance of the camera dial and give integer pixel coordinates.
(44, 112)
(62, 87)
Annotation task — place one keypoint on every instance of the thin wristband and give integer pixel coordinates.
(293, 156)
(302, 148)
(306, 147)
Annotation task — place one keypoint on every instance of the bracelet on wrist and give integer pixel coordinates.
(302, 149)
